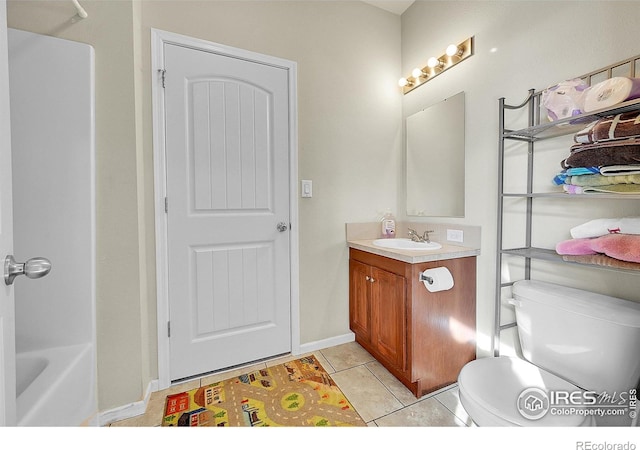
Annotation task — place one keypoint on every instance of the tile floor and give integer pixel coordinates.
(380, 399)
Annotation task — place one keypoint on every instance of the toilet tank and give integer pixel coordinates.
(589, 339)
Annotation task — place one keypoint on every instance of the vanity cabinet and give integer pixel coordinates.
(423, 338)
(379, 310)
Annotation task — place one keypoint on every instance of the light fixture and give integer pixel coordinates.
(403, 82)
(453, 55)
(419, 73)
(435, 63)
(454, 50)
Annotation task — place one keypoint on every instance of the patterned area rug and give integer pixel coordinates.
(298, 393)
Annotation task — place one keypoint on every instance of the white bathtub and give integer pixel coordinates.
(55, 387)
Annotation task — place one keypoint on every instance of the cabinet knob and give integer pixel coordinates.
(372, 280)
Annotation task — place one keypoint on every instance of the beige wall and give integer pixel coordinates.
(537, 44)
(348, 56)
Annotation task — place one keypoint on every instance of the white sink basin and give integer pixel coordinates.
(406, 244)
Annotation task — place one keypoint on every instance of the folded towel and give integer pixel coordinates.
(601, 180)
(602, 227)
(620, 144)
(620, 126)
(610, 92)
(576, 247)
(561, 178)
(572, 189)
(625, 247)
(585, 136)
(626, 189)
(627, 169)
(582, 170)
(623, 152)
(602, 260)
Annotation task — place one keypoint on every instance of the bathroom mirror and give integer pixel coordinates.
(435, 160)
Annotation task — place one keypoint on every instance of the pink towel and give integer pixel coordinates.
(580, 246)
(625, 247)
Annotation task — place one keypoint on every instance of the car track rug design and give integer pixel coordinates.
(298, 393)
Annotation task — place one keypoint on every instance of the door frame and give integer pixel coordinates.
(158, 39)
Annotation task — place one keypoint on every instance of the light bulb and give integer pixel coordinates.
(433, 62)
(417, 73)
(402, 82)
(452, 50)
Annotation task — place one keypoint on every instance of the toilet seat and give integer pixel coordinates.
(489, 390)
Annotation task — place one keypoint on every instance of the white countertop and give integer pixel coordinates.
(448, 251)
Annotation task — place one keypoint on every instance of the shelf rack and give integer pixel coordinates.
(540, 129)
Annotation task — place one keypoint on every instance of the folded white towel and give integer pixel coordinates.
(627, 169)
(601, 227)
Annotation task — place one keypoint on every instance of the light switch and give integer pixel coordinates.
(307, 188)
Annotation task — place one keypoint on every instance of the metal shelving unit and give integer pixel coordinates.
(537, 130)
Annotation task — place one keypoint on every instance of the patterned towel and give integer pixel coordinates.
(625, 247)
(629, 169)
(621, 126)
(602, 260)
(630, 189)
(622, 152)
(601, 180)
(566, 174)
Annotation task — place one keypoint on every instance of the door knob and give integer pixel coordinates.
(281, 227)
(33, 268)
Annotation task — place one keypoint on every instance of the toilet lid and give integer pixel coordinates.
(497, 385)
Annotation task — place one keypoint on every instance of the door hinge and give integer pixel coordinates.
(163, 74)
(166, 205)
(169, 329)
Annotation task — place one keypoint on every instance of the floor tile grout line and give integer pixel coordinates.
(388, 390)
(453, 412)
(327, 360)
(423, 398)
(427, 396)
(385, 385)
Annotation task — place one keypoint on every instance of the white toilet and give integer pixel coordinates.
(572, 340)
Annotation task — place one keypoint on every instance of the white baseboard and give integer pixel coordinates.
(130, 410)
(324, 343)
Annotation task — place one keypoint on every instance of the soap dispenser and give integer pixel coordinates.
(388, 225)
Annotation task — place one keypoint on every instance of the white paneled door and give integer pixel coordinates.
(228, 248)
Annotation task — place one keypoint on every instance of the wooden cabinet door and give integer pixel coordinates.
(389, 316)
(359, 302)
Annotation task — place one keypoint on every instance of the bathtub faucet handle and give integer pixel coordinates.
(33, 268)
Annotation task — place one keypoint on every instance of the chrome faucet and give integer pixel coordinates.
(417, 238)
